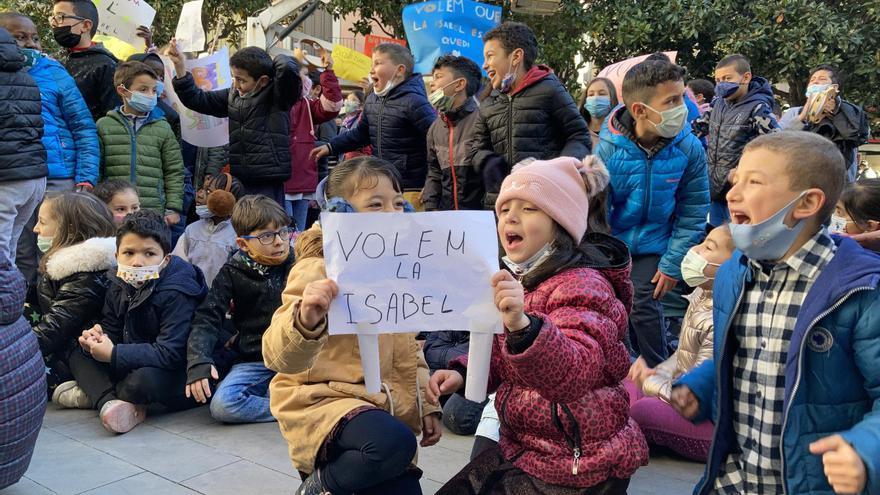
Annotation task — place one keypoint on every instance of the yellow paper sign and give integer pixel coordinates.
(349, 64)
(116, 46)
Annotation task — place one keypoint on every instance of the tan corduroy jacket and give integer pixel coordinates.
(320, 378)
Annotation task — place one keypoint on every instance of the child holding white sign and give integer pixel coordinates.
(559, 366)
(338, 432)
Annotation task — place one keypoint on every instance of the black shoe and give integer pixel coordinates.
(312, 485)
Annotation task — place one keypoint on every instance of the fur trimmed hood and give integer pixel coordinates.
(97, 254)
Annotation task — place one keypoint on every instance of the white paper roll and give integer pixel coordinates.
(479, 359)
(369, 345)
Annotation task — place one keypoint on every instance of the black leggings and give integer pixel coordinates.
(141, 386)
(371, 456)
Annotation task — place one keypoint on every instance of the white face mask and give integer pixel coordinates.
(388, 87)
(203, 211)
(837, 224)
(137, 276)
(693, 268)
(522, 269)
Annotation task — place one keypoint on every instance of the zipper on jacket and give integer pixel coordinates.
(381, 124)
(452, 164)
(797, 379)
(648, 187)
(573, 441)
(510, 148)
(739, 299)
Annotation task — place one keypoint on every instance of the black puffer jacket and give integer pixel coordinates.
(452, 180)
(150, 325)
(538, 119)
(71, 293)
(22, 155)
(396, 126)
(848, 128)
(255, 293)
(442, 347)
(93, 70)
(259, 126)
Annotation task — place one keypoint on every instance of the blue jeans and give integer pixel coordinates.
(243, 396)
(298, 210)
(718, 213)
(462, 416)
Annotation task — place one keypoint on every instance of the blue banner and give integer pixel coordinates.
(448, 26)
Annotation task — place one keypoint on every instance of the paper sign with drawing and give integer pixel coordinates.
(413, 272)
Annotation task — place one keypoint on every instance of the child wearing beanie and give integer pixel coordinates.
(558, 367)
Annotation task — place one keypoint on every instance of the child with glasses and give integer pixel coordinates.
(248, 287)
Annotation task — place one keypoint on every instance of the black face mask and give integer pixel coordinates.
(64, 37)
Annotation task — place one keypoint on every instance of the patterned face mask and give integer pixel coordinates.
(137, 276)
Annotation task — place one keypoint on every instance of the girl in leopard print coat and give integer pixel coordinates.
(559, 366)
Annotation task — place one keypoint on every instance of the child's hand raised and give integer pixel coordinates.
(844, 467)
(443, 382)
(510, 300)
(316, 302)
(176, 57)
(432, 430)
(685, 402)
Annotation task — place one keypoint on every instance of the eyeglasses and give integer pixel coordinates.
(267, 238)
(58, 19)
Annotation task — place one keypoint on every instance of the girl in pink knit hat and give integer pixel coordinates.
(559, 366)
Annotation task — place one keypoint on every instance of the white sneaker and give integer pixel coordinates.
(119, 416)
(71, 396)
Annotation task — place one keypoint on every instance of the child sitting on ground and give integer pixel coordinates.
(75, 234)
(796, 334)
(858, 210)
(120, 196)
(137, 355)
(342, 438)
(650, 387)
(209, 241)
(559, 366)
(252, 281)
(137, 143)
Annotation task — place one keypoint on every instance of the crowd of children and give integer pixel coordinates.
(604, 207)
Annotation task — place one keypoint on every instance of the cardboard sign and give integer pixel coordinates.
(350, 64)
(121, 18)
(616, 71)
(210, 73)
(190, 34)
(445, 27)
(372, 41)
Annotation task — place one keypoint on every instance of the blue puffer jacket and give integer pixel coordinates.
(69, 133)
(832, 377)
(657, 204)
(396, 125)
(22, 380)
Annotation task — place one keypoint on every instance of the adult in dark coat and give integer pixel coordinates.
(23, 387)
(23, 168)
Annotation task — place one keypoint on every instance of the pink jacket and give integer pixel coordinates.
(305, 116)
(575, 366)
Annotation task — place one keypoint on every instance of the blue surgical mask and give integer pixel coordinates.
(203, 211)
(770, 239)
(160, 88)
(139, 102)
(672, 120)
(598, 106)
(522, 269)
(816, 88)
(726, 89)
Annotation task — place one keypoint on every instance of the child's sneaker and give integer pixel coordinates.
(119, 416)
(71, 396)
(312, 485)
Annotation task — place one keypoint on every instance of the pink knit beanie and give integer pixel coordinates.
(561, 188)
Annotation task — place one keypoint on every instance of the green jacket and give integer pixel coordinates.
(148, 158)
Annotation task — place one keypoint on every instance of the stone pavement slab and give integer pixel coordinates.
(188, 453)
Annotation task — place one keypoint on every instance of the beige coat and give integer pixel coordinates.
(320, 378)
(694, 346)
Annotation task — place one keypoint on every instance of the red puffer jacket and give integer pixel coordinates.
(565, 391)
(305, 116)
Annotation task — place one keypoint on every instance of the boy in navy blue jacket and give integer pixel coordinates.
(797, 339)
(137, 355)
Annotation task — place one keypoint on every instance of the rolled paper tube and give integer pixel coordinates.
(479, 359)
(369, 344)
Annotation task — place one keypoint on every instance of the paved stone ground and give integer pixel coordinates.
(188, 453)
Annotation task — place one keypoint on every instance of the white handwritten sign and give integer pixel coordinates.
(121, 18)
(190, 34)
(411, 272)
(210, 73)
